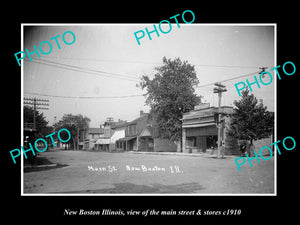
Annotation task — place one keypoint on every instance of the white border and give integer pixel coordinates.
(134, 24)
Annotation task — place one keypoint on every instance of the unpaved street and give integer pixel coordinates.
(121, 173)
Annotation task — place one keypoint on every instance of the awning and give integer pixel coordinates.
(117, 135)
(102, 141)
(198, 125)
(126, 138)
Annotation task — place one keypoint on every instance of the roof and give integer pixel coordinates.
(96, 131)
(137, 119)
(207, 112)
(146, 132)
(117, 135)
(126, 138)
(121, 124)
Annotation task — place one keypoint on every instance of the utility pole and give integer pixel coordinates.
(36, 102)
(219, 89)
(263, 69)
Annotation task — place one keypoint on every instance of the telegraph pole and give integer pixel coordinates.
(36, 102)
(219, 89)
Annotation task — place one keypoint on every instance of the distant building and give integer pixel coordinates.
(112, 132)
(90, 138)
(119, 132)
(138, 135)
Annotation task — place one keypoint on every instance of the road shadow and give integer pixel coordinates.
(36, 160)
(39, 163)
(130, 188)
(28, 169)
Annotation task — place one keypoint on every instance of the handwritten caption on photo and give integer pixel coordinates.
(140, 168)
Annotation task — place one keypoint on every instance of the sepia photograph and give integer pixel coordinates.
(144, 109)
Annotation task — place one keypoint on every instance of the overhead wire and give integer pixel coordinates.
(225, 80)
(82, 97)
(144, 62)
(128, 96)
(84, 70)
(116, 76)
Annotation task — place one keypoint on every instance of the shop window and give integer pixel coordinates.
(191, 141)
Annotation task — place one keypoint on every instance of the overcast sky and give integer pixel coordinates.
(219, 52)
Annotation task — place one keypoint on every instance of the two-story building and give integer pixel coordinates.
(138, 135)
(112, 132)
(200, 131)
(90, 138)
(119, 132)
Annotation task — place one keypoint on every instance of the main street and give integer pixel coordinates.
(130, 173)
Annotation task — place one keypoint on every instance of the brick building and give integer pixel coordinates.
(138, 135)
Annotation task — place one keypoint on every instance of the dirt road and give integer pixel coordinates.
(121, 173)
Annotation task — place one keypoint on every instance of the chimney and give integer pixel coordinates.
(141, 112)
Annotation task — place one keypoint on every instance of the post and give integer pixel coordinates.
(77, 147)
(219, 126)
(220, 88)
(36, 103)
(183, 139)
(34, 113)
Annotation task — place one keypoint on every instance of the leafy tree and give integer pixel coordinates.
(41, 123)
(42, 129)
(251, 120)
(170, 94)
(75, 124)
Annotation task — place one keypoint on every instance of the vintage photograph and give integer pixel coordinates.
(131, 109)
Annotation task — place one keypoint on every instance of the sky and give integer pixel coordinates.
(105, 64)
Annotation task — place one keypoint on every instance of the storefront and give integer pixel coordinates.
(200, 131)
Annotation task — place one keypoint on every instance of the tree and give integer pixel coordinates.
(75, 124)
(170, 94)
(42, 127)
(251, 120)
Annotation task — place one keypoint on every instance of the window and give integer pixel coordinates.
(191, 141)
(131, 129)
(134, 129)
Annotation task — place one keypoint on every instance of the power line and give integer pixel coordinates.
(104, 60)
(119, 76)
(249, 74)
(83, 97)
(225, 66)
(143, 62)
(125, 77)
(127, 96)
(84, 70)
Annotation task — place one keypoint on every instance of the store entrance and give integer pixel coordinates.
(212, 142)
